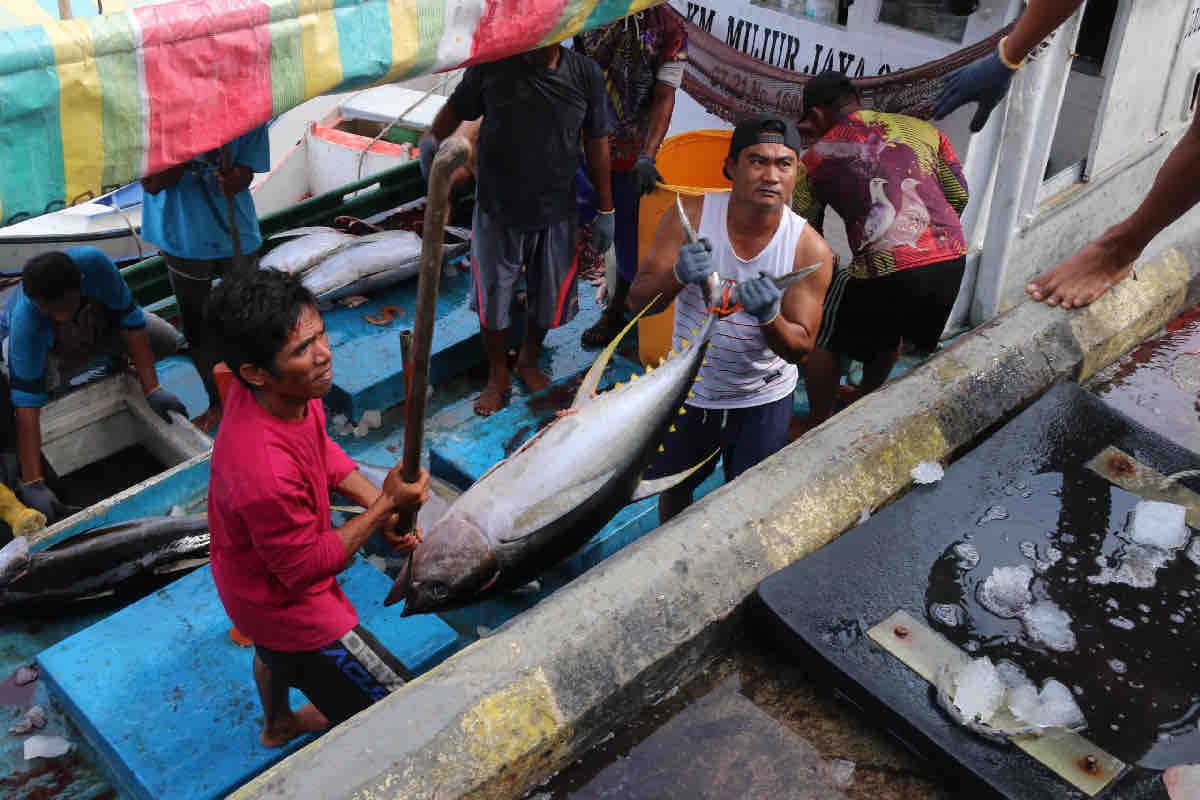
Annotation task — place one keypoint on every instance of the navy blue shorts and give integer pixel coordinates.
(745, 436)
(342, 678)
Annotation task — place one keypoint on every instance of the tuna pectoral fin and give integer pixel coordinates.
(587, 389)
(650, 488)
(180, 566)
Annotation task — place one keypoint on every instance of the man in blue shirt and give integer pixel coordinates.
(184, 213)
(72, 306)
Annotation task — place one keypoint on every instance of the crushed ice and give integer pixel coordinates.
(1155, 531)
(993, 514)
(1052, 707)
(948, 614)
(1006, 592)
(1047, 624)
(1122, 622)
(39, 746)
(978, 690)
(927, 472)
(968, 555)
(982, 688)
(1117, 665)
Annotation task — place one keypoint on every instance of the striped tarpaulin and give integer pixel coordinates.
(90, 104)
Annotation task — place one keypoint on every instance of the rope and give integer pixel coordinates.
(363, 153)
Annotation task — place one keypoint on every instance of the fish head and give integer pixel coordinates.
(452, 566)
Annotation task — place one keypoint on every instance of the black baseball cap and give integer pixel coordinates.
(764, 128)
(826, 88)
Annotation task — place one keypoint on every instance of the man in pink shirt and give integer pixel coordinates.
(275, 554)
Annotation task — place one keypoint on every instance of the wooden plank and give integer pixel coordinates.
(1069, 755)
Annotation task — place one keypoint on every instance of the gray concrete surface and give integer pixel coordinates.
(513, 708)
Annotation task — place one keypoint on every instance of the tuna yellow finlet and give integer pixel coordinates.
(662, 449)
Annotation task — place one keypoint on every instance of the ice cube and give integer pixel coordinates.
(1058, 707)
(1047, 624)
(26, 674)
(993, 514)
(1052, 707)
(1117, 666)
(948, 614)
(339, 420)
(39, 746)
(361, 430)
(978, 690)
(840, 772)
(372, 419)
(968, 555)
(343, 428)
(1005, 592)
(1010, 674)
(1193, 551)
(927, 472)
(34, 719)
(1028, 549)
(1157, 524)
(1137, 566)
(1122, 622)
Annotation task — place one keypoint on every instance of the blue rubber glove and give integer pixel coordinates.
(36, 494)
(604, 229)
(646, 174)
(760, 298)
(428, 148)
(695, 263)
(984, 81)
(161, 401)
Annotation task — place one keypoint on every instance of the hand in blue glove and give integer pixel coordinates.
(428, 148)
(984, 81)
(646, 174)
(36, 494)
(161, 401)
(604, 229)
(760, 298)
(695, 263)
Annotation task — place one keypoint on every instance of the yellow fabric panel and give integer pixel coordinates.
(80, 108)
(28, 12)
(406, 38)
(319, 42)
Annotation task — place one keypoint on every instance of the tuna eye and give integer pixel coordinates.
(438, 591)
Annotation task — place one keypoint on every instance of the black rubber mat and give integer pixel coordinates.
(1022, 496)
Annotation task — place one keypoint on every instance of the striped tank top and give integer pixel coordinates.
(740, 370)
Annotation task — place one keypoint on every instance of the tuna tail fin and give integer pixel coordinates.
(587, 389)
(650, 488)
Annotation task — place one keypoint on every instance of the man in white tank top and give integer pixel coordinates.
(742, 401)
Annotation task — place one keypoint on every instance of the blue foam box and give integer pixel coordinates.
(168, 700)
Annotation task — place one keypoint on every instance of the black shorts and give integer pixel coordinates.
(864, 317)
(342, 678)
(744, 437)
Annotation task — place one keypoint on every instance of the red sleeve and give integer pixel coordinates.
(298, 548)
(337, 464)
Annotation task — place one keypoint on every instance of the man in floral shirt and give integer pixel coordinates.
(642, 57)
(897, 184)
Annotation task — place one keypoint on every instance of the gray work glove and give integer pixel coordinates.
(162, 401)
(760, 298)
(604, 230)
(695, 263)
(646, 174)
(984, 81)
(428, 148)
(36, 494)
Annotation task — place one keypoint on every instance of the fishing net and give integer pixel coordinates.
(732, 85)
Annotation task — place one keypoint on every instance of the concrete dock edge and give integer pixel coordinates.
(513, 708)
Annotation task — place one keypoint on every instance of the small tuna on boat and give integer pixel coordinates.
(100, 560)
(370, 262)
(298, 256)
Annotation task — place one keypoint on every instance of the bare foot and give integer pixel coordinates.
(1082, 278)
(209, 419)
(533, 378)
(493, 398)
(306, 719)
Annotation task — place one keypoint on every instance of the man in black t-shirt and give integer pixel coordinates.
(536, 106)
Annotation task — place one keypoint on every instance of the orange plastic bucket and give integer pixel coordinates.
(690, 164)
